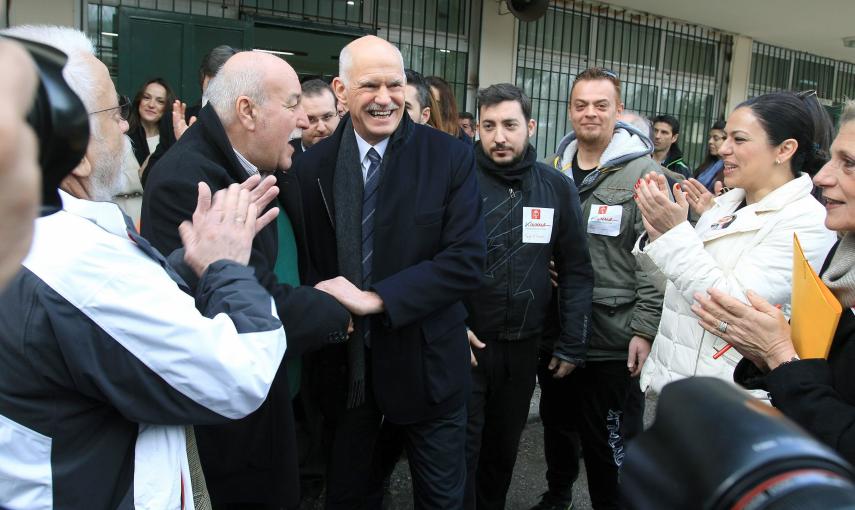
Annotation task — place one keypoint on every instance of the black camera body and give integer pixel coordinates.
(714, 446)
(59, 120)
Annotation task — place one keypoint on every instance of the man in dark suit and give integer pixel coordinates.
(254, 103)
(395, 232)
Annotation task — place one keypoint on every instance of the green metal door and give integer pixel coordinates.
(171, 46)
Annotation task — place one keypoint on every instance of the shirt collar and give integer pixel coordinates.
(106, 215)
(364, 146)
(247, 166)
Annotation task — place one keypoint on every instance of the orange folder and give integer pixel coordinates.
(815, 309)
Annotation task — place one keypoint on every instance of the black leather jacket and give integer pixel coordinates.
(515, 296)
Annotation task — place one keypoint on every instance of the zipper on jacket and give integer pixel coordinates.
(509, 242)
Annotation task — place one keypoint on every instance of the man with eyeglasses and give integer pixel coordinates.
(106, 353)
(320, 105)
(605, 158)
(254, 103)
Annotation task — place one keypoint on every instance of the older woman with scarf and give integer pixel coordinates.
(817, 394)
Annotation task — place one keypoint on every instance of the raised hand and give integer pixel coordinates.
(660, 213)
(222, 228)
(179, 125)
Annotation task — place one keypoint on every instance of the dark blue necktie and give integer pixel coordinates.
(369, 204)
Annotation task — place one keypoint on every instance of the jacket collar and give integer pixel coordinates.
(627, 144)
(777, 199)
(400, 136)
(106, 215)
(212, 130)
(723, 219)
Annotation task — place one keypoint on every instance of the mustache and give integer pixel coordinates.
(374, 107)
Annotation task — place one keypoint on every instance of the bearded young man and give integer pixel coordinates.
(532, 216)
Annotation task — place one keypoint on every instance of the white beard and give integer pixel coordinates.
(108, 176)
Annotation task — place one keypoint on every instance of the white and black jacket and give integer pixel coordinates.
(103, 358)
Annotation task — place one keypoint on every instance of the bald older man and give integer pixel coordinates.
(253, 105)
(394, 228)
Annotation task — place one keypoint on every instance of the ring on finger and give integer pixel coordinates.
(722, 326)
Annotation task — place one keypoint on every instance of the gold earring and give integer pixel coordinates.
(777, 161)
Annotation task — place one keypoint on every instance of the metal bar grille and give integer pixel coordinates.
(435, 36)
(666, 66)
(774, 68)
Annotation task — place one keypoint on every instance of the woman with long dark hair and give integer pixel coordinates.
(150, 121)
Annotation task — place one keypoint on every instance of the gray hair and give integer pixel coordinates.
(635, 119)
(74, 43)
(848, 113)
(345, 63)
(229, 84)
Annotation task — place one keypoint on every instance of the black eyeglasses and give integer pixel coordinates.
(124, 108)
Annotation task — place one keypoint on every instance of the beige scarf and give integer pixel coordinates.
(840, 274)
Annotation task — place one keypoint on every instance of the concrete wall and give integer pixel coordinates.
(498, 45)
(44, 12)
(740, 72)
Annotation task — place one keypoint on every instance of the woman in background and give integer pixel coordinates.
(712, 169)
(443, 108)
(150, 121)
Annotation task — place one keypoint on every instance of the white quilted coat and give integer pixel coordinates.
(753, 252)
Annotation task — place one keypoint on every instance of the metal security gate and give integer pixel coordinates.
(436, 37)
(665, 66)
(774, 68)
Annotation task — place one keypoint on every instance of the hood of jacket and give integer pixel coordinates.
(627, 143)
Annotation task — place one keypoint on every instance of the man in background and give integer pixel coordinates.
(666, 152)
(417, 97)
(319, 103)
(467, 123)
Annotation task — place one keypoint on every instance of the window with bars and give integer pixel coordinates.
(665, 66)
(774, 68)
(436, 37)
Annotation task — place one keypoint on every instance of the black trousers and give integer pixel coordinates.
(502, 385)
(587, 406)
(435, 450)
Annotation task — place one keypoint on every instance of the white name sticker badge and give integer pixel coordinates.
(605, 220)
(537, 224)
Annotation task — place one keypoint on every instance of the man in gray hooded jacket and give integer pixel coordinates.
(605, 158)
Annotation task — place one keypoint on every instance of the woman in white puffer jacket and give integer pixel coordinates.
(744, 238)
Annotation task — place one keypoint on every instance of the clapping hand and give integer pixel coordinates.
(699, 197)
(659, 212)
(759, 330)
(222, 227)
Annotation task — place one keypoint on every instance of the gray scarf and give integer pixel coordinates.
(839, 276)
(347, 196)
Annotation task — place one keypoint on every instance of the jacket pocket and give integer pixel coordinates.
(611, 316)
(613, 196)
(445, 353)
